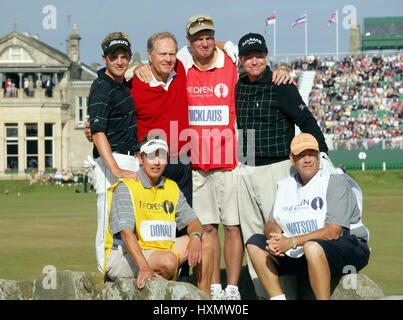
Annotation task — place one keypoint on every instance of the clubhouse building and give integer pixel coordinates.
(43, 106)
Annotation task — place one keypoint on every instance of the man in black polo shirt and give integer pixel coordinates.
(270, 112)
(112, 121)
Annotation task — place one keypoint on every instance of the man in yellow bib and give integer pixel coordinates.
(143, 218)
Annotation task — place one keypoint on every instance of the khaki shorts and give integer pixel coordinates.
(120, 264)
(215, 196)
(257, 188)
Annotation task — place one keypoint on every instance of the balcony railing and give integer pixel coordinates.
(19, 96)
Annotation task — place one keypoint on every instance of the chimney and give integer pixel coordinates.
(73, 47)
(355, 39)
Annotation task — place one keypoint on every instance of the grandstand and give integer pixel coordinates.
(358, 103)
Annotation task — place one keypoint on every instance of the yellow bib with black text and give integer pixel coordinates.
(155, 210)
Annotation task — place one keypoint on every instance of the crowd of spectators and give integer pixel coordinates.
(358, 99)
(61, 178)
(10, 87)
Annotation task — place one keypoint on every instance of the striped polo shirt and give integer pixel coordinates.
(111, 111)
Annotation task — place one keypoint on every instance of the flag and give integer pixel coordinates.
(271, 20)
(332, 19)
(300, 20)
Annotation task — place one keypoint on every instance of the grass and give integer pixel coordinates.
(53, 225)
(383, 215)
(47, 225)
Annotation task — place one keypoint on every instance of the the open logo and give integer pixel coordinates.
(221, 90)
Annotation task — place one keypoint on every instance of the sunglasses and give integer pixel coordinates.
(199, 22)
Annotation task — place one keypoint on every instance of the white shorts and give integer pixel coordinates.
(215, 196)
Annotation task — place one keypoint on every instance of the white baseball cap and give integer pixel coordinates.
(154, 145)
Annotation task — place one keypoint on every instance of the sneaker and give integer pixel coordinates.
(217, 295)
(231, 294)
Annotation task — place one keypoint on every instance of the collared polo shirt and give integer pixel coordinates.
(185, 56)
(111, 111)
(155, 83)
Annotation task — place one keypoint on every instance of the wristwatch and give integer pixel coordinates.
(195, 235)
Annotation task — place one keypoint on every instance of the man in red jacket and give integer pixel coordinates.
(161, 105)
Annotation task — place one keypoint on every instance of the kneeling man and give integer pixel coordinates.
(314, 227)
(144, 215)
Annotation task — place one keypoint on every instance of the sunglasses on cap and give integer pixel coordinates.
(201, 21)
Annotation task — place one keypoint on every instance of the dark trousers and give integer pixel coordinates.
(182, 175)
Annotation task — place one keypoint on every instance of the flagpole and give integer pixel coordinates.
(274, 32)
(337, 35)
(306, 33)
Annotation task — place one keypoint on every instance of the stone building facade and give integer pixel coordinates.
(41, 121)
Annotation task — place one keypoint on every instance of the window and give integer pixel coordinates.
(81, 114)
(48, 145)
(16, 54)
(12, 146)
(31, 140)
(31, 130)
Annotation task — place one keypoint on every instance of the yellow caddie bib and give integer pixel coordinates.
(154, 210)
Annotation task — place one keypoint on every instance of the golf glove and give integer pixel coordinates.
(232, 51)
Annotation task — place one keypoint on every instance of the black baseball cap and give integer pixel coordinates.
(115, 43)
(252, 42)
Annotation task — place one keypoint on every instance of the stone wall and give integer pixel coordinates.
(349, 287)
(69, 285)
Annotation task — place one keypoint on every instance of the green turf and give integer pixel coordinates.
(51, 225)
(45, 225)
(383, 215)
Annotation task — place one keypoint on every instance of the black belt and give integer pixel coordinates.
(127, 153)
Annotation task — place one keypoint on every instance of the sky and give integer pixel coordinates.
(52, 21)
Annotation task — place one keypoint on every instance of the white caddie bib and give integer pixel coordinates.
(301, 209)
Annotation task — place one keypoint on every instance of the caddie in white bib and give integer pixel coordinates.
(301, 209)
